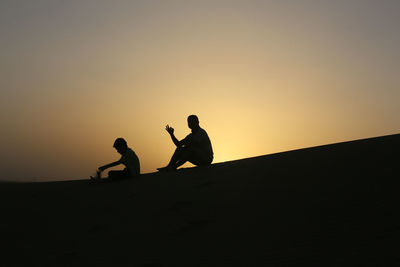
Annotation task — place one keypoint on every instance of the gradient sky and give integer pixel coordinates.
(263, 77)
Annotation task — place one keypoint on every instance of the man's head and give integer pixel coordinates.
(120, 145)
(193, 122)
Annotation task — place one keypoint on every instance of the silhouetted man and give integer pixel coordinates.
(128, 159)
(195, 148)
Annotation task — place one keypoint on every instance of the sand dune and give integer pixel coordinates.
(334, 205)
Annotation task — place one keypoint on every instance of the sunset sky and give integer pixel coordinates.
(262, 76)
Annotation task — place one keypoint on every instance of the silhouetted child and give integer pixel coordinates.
(128, 158)
(195, 148)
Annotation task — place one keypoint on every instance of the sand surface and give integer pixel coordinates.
(335, 205)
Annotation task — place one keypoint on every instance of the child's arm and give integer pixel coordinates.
(102, 168)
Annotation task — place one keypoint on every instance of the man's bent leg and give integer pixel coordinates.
(186, 154)
(199, 159)
(176, 160)
(176, 156)
(182, 156)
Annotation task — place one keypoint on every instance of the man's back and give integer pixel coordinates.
(200, 141)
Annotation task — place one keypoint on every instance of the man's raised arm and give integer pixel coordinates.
(170, 130)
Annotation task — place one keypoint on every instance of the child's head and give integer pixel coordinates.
(120, 145)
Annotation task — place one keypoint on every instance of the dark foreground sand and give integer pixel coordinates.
(335, 205)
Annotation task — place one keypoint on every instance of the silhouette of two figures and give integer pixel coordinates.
(195, 148)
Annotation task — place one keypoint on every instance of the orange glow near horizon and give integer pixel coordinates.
(262, 78)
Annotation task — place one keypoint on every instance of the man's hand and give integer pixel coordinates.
(170, 130)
